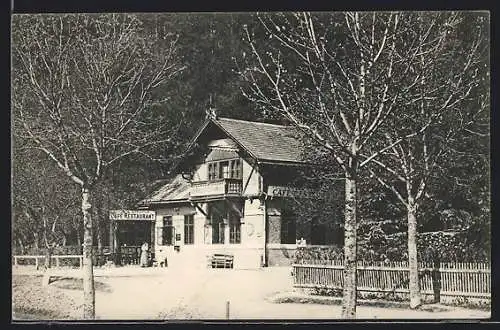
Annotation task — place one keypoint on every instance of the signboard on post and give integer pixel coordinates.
(132, 215)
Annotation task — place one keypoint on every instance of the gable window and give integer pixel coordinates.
(224, 170)
(212, 171)
(228, 169)
(235, 169)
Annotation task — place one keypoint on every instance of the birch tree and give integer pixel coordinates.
(338, 77)
(84, 94)
(451, 71)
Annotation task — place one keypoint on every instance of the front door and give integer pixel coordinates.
(217, 229)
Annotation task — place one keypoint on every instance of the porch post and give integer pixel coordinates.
(226, 232)
(153, 236)
(226, 220)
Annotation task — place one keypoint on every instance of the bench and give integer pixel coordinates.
(220, 261)
(51, 274)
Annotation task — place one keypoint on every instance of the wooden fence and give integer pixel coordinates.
(444, 279)
(59, 260)
(127, 255)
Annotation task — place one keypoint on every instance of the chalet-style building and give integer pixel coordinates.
(228, 197)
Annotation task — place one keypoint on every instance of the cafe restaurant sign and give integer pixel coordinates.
(132, 215)
(294, 192)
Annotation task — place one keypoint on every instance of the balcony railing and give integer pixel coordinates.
(221, 187)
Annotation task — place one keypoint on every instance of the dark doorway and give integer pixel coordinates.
(318, 232)
(134, 233)
(217, 212)
(288, 227)
(130, 236)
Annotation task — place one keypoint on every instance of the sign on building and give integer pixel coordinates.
(132, 215)
(294, 192)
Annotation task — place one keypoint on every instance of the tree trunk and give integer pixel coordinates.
(48, 250)
(350, 224)
(88, 276)
(48, 257)
(35, 242)
(415, 300)
(21, 245)
(78, 240)
(100, 246)
(98, 224)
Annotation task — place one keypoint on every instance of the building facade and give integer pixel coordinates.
(230, 198)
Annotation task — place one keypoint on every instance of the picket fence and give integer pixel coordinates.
(449, 279)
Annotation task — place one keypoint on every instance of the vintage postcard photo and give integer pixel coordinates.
(251, 166)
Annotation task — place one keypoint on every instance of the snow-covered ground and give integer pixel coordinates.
(187, 293)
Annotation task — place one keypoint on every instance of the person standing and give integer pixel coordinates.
(144, 254)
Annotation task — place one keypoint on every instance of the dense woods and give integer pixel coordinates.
(394, 104)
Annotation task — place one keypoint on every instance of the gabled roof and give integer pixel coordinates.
(266, 142)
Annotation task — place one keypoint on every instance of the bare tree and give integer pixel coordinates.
(452, 97)
(84, 94)
(42, 200)
(338, 77)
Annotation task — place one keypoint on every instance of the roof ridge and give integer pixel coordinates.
(255, 122)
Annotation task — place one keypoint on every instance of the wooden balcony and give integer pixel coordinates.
(216, 188)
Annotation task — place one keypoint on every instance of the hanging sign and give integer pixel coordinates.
(293, 192)
(132, 215)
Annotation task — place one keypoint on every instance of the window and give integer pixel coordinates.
(166, 232)
(189, 229)
(288, 230)
(212, 171)
(229, 169)
(234, 230)
(224, 170)
(235, 169)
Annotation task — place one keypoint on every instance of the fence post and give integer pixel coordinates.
(57, 262)
(436, 281)
(227, 310)
(36, 263)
